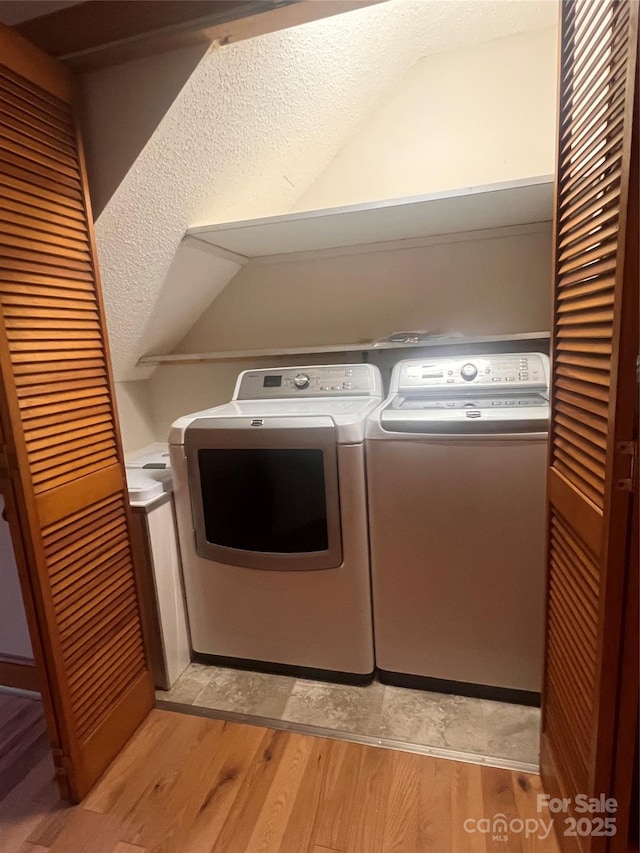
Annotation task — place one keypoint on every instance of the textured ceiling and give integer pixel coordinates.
(254, 126)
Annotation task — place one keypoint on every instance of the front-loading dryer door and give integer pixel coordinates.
(264, 492)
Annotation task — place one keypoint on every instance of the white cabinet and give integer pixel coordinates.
(159, 576)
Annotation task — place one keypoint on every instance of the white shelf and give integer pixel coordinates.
(239, 355)
(471, 209)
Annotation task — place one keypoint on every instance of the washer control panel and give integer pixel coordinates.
(500, 371)
(339, 380)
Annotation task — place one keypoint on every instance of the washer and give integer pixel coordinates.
(272, 516)
(456, 467)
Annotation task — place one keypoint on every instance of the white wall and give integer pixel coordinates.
(481, 113)
(253, 127)
(478, 115)
(493, 285)
(121, 106)
(135, 413)
(497, 285)
(14, 633)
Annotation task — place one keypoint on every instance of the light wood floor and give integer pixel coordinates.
(188, 784)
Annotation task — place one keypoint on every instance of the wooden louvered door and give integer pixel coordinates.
(593, 422)
(62, 447)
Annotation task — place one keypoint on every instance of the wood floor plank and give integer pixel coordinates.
(23, 810)
(188, 784)
(151, 810)
(86, 830)
(370, 808)
(526, 789)
(437, 806)
(337, 799)
(400, 832)
(50, 828)
(499, 799)
(200, 800)
(23, 739)
(152, 753)
(248, 804)
(37, 786)
(269, 829)
(19, 818)
(469, 806)
(301, 828)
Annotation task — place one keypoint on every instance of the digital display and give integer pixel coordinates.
(272, 382)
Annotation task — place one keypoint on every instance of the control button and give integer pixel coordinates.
(487, 370)
(335, 388)
(301, 380)
(451, 381)
(346, 385)
(509, 378)
(348, 372)
(473, 414)
(496, 402)
(449, 372)
(496, 378)
(324, 388)
(523, 376)
(468, 371)
(522, 402)
(450, 405)
(510, 402)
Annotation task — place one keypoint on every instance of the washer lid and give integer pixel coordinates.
(348, 415)
(466, 414)
(142, 487)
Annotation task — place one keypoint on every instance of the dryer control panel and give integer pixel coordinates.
(495, 372)
(333, 380)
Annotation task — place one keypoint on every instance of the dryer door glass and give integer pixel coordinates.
(264, 500)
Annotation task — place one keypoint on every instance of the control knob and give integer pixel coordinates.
(301, 380)
(468, 371)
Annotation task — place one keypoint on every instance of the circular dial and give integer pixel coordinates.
(301, 380)
(468, 371)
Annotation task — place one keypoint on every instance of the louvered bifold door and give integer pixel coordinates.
(62, 441)
(592, 441)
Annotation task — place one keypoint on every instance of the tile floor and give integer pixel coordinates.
(478, 726)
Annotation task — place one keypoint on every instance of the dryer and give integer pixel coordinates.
(271, 504)
(456, 467)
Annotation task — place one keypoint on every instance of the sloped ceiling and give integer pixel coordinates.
(254, 126)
